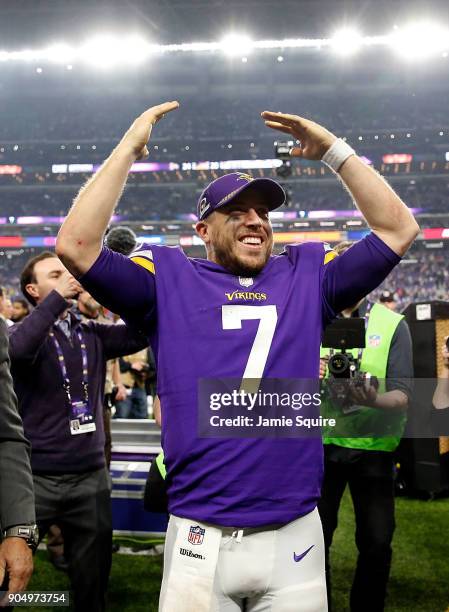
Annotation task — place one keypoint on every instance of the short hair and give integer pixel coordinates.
(121, 239)
(27, 276)
(20, 300)
(342, 247)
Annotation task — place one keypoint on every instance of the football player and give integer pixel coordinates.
(244, 529)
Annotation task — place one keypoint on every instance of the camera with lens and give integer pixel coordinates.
(344, 368)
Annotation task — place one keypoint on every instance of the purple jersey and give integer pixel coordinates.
(203, 322)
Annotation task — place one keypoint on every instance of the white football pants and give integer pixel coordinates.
(265, 569)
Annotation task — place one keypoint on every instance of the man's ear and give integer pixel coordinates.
(202, 229)
(32, 290)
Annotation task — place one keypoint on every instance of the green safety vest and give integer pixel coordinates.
(161, 465)
(382, 324)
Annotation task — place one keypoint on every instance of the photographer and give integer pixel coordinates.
(366, 463)
(136, 372)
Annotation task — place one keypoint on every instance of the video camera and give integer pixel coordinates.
(344, 368)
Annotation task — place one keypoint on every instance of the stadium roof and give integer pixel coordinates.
(35, 22)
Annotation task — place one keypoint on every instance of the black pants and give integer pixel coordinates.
(155, 496)
(369, 475)
(81, 505)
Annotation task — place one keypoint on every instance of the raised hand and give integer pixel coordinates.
(363, 395)
(323, 367)
(139, 133)
(314, 139)
(68, 286)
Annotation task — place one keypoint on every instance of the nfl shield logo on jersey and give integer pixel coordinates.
(196, 535)
(246, 282)
(373, 340)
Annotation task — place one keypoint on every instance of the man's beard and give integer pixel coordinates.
(227, 259)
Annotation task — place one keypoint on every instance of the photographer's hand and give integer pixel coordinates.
(363, 395)
(391, 401)
(138, 366)
(323, 367)
(121, 393)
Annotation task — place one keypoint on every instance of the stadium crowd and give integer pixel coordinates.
(421, 276)
(164, 195)
(98, 117)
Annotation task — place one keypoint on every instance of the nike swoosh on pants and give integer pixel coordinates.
(297, 558)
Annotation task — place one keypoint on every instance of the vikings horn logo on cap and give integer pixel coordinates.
(226, 188)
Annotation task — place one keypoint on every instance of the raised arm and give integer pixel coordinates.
(382, 208)
(80, 238)
(27, 337)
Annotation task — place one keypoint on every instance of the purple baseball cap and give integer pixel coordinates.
(225, 188)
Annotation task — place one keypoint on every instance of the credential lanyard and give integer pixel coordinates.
(62, 365)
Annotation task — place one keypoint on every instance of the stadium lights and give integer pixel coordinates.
(420, 40)
(60, 53)
(346, 42)
(107, 51)
(416, 41)
(230, 164)
(236, 45)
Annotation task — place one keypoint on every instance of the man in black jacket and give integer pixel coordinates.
(58, 366)
(16, 485)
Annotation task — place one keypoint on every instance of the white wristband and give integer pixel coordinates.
(337, 154)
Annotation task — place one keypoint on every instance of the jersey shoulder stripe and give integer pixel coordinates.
(145, 263)
(329, 257)
(329, 253)
(143, 256)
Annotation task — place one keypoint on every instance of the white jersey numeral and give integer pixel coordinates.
(232, 317)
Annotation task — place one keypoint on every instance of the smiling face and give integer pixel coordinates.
(239, 236)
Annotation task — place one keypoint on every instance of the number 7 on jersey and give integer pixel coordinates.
(232, 317)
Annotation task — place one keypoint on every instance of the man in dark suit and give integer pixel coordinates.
(17, 515)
